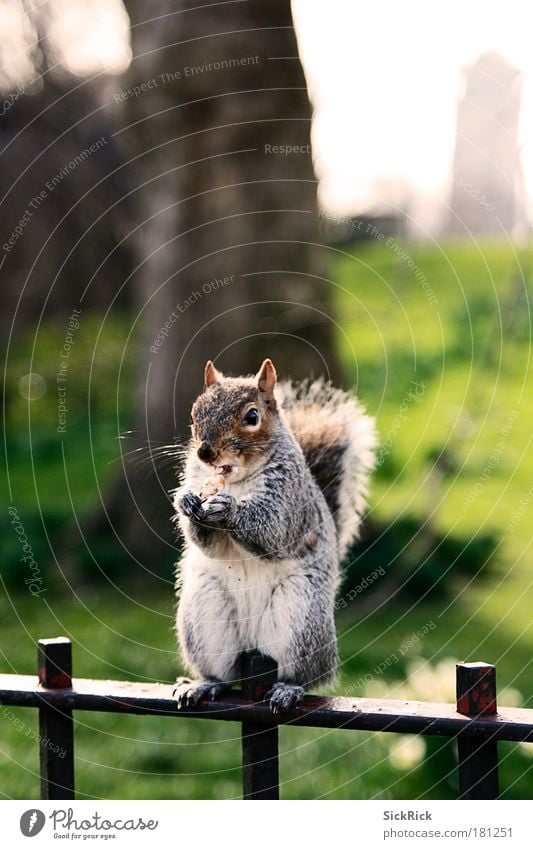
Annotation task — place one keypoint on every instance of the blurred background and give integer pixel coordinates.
(345, 191)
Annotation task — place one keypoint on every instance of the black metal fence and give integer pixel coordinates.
(475, 720)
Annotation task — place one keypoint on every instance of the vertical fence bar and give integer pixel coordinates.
(56, 743)
(260, 756)
(478, 756)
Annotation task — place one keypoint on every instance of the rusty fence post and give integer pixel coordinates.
(478, 756)
(260, 755)
(56, 735)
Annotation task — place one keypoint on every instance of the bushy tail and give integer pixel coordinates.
(338, 441)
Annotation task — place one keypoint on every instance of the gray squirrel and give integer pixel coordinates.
(264, 537)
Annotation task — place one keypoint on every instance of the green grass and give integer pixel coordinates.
(475, 404)
(50, 477)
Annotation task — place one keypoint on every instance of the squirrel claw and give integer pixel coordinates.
(188, 693)
(282, 697)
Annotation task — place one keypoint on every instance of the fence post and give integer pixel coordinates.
(56, 742)
(260, 760)
(478, 756)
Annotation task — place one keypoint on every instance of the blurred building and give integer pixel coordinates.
(487, 181)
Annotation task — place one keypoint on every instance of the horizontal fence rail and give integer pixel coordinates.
(474, 720)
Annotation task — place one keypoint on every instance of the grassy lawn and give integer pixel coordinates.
(437, 343)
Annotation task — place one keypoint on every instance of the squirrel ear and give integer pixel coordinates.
(266, 379)
(211, 374)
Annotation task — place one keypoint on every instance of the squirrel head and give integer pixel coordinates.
(233, 420)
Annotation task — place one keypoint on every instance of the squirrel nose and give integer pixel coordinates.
(206, 451)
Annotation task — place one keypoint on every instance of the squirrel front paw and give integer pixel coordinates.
(218, 510)
(190, 505)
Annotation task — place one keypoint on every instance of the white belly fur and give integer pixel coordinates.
(264, 599)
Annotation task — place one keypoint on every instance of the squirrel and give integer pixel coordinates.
(264, 538)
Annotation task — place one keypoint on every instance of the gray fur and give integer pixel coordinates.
(261, 563)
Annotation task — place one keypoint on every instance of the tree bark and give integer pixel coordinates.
(230, 265)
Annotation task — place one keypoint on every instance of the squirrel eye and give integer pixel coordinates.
(251, 417)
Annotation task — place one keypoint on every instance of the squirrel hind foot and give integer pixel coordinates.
(188, 693)
(282, 697)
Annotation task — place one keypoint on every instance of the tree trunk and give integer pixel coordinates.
(230, 265)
